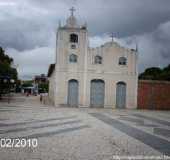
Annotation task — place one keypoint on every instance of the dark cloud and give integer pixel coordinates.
(24, 35)
(161, 38)
(28, 25)
(132, 17)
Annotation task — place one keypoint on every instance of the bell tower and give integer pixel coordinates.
(71, 44)
(71, 58)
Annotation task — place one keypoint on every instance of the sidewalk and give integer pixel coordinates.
(22, 100)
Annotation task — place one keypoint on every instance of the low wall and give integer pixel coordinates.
(154, 95)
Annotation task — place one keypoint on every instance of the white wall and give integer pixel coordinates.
(85, 70)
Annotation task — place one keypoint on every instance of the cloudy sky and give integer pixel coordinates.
(28, 27)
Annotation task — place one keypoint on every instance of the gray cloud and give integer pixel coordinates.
(32, 62)
(154, 47)
(29, 27)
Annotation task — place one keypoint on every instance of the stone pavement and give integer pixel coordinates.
(81, 133)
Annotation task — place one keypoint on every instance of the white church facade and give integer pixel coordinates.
(105, 76)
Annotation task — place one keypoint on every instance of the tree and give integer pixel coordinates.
(165, 75)
(6, 70)
(43, 87)
(156, 73)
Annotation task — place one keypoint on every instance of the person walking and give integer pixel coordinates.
(41, 97)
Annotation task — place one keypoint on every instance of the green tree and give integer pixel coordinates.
(6, 70)
(156, 73)
(27, 83)
(165, 75)
(43, 87)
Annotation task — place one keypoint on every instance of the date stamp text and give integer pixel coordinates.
(18, 143)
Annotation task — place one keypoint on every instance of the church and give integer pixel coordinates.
(101, 77)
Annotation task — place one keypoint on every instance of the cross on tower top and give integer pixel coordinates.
(72, 9)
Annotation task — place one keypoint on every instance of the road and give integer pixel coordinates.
(80, 133)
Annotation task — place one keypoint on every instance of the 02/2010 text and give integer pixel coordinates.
(18, 143)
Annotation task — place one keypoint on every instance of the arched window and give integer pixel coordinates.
(73, 58)
(122, 61)
(98, 60)
(73, 38)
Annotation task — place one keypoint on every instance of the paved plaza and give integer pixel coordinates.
(81, 134)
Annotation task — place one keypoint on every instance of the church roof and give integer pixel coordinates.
(112, 44)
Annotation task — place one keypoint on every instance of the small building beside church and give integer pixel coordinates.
(105, 76)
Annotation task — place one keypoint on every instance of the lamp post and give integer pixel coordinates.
(1, 86)
(11, 85)
(8, 83)
(12, 82)
(7, 87)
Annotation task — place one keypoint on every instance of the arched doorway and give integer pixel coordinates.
(121, 95)
(73, 93)
(97, 93)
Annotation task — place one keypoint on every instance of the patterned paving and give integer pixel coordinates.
(35, 121)
(79, 133)
(6, 110)
(53, 123)
(38, 127)
(162, 132)
(153, 119)
(138, 122)
(155, 142)
(61, 131)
